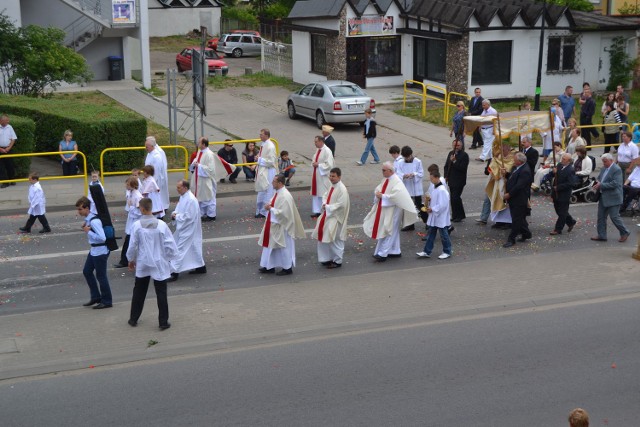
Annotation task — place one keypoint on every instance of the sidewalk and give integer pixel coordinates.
(81, 338)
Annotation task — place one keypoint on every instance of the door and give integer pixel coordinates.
(356, 64)
(419, 59)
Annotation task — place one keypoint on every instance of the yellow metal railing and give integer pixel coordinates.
(449, 104)
(581, 127)
(50, 178)
(185, 169)
(410, 91)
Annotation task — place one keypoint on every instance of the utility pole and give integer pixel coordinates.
(536, 105)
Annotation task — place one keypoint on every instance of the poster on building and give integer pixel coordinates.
(123, 11)
(371, 25)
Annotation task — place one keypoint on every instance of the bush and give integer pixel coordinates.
(25, 129)
(94, 127)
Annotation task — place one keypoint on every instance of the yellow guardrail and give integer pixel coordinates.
(185, 169)
(599, 126)
(422, 94)
(449, 104)
(50, 178)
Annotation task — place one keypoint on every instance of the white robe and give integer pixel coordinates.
(152, 248)
(334, 224)
(204, 180)
(158, 159)
(267, 166)
(151, 190)
(414, 185)
(188, 234)
(37, 200)
(325, 161)
(133, 209)
(440, 216)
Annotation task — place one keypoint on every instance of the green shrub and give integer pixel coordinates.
(25, 129)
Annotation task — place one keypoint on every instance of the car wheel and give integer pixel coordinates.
(291, 109)
(179, 67)
(573, 199)
(320, 119)
(236, 53)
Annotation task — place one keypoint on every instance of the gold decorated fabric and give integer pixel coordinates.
(516, 122)
(496, 184)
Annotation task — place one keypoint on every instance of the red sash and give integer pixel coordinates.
(267, 226)
(314, 186)
(195, 193)
(226, 165)
(324, 215)
(376, 223)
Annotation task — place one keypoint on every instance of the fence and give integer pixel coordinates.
(277, 58)
(185, 169)
(49, 178)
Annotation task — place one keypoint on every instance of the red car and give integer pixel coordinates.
(215, 64)
(213, 43)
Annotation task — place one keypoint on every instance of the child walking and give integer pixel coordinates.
(37, 205)
(132, 207)
(95, 180)
(151, 190)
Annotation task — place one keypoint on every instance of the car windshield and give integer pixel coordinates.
(211, 54)
(345, 91)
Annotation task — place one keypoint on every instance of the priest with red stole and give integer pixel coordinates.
(322, 162)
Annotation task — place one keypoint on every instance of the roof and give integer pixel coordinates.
(308, 9)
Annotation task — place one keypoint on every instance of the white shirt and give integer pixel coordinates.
(6, 135)
(627, 152)
(152, 248)
(634, 178)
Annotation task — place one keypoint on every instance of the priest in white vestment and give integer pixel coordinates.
(267, 166)
(331, 227)
(204, 180)
(282, 226)
(157, 158)
(322, 162)
(393, 209)
(188, 234)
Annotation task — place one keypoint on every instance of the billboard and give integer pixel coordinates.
(123, 11)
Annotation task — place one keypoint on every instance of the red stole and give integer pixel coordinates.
(314, 186)
(226, 165)
(324, 215)
(267, 226)
(376, 223)
(195, 193)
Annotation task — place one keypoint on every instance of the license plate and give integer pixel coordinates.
(355, 107)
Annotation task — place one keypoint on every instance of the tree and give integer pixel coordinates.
(583, 5)
(629, 9)
(33, 60)
(620, 64)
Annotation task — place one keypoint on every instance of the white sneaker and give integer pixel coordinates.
(374, 162)
(359, 163)
(423, 255)
(444, 256)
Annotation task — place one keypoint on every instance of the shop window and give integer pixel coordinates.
(431, 59)
(383, 56)
(319, 54)
(562, 54)
(491, 63)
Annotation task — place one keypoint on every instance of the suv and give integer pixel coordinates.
(237, 45)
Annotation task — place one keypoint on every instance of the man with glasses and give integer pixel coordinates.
(230, 155)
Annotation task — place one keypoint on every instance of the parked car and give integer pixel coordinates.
(238, 45)
(332, 101)
(213, 43)
(215, 63)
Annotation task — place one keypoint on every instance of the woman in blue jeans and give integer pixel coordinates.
(249, 156)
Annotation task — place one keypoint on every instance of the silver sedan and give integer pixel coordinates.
(332, 101)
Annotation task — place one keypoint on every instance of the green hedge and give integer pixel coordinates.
(25, 129)
(95, 127)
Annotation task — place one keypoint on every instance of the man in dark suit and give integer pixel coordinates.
(517, 193)
(531, 153)
(475, 109)
(455, 172)
(609, 186)
(328, 138)
(564, 177)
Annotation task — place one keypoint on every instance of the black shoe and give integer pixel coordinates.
(315, 215)
(45, 230)
(199, 270)
(473, 147)
(120, 265)
(408, 228)
(508, 244)
(570, 228)
(132, 323)
(5, 185)
(451, 229)
(100, 306)
(208, 218)
(457, 220)
(24, 230)
(285, 272)
(327, 263)
(334, 265)
(260, 216)
(394, 255)
(164, 327)
(222, 180)
(380, 258)
(525, 238)
(233, 181)
(91, 302)
(174, 277)
(266, 270)
(424, 239)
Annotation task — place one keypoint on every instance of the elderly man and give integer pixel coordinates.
(561, 194)
(266, 170)
(204, 180)
(7, 140)
(329, 141)
(331, 227)
(322, 163)
(392, 210)
(158, 159)
(188, 234)
(532, 154)
(631, 189)
(282, 226)
(609, 186)
(517, 191)
(627, 153)
(487, 131)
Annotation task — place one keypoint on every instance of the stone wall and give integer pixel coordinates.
(337, 51)
(458, 64)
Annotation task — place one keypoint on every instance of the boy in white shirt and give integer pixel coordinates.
(37, 206)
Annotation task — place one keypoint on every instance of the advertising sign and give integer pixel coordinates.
(371, 25)
(123, 11)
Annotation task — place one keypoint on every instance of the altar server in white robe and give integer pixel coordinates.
(439, 218)
(331, 227)
(132, 207)
(266, 170)
(204, 179)
(188, 234)
(37, 205)
(392, 209)
(322, 162)
(409, 170)
(282, 226)
(157, 158)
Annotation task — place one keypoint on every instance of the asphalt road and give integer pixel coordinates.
(529, 367)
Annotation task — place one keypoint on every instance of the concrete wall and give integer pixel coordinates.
(11, 8)
(100, 49)
(174, 21)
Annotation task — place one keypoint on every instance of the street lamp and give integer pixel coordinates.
(536, 105)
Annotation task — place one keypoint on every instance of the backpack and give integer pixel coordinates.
(110, 234)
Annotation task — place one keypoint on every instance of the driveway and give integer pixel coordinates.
(160, 61)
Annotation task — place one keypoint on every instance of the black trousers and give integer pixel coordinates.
(629, 193)
(7, 170)
(564, 218)
(70, 168)
(123, 254)
(519, 224)
(32, 220)
(457, 208)
(477, 138)
(140, 293)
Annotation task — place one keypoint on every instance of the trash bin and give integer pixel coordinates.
(116, 68)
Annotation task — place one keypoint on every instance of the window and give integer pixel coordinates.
(562, 54)
(383, 56)
(491, 63)
(318, 91)
(319, 54)
(431, 59)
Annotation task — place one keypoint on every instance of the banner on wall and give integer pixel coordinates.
(371, 25)
(123, 11)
